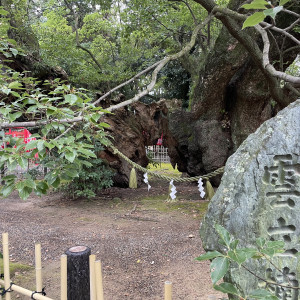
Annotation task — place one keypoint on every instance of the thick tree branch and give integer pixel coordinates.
(282, 31)
(191, 11)
(266, 62)
(232, 21)
(127, 82)
(158, 66)
(78, 45)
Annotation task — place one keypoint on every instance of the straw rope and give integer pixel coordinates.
(168, 178)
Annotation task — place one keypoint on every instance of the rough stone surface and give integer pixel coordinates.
(259, 196)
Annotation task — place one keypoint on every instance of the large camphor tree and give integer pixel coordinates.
(241, 84)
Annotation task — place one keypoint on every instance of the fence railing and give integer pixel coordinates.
(33, 167)
(95, 273)
(158, 153)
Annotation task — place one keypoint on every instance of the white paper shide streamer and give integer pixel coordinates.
(146, 181)
(173, 190)
(201, 188)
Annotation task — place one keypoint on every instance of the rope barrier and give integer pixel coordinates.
(168, 178)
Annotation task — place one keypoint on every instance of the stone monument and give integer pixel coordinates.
(259, 196)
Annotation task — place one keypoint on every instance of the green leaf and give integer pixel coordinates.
(237, 256)
(32, 108)
(88, 164)
(70, 156)
(5, 110)
(31, 145)
(7, 189)
(15, 85)
(70, 174)
(227, 288)
(79, 135)
(273, 247)
(13, 117)
(275, 244)
(219, 267)
(282, 2)
(272, 12)
(224, 235)
(23, 162)
(41, 188)
(249, 252)
(262, 294)
(14, 51)
(254, 19)
(256, 4)
(61, 127)
(209, 255)
(30, 183)
(3, 12)
(260, 242)
(71, 98)
(56, 183)
(40, 145)
(15, 94)
(95, 117)
(51, 110)
(25, 192)
(49, 145)
(87, 152)
(105, 125)
(233, 244)
(10, 178)
(5, 90)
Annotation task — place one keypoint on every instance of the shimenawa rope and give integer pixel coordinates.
(168, 178)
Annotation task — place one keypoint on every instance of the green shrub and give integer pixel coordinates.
(90, 180)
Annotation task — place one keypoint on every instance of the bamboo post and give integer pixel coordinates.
(0, 284)
(38, 267)
(6, 264)
(27, 293)
(168, 290)
(93, 294)
(63, 277)
(99, 281)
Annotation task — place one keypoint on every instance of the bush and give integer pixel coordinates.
(90, 180)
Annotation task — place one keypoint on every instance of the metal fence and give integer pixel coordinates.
(33, 167)
(158, 153)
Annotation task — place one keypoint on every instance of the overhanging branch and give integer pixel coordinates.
(266, 62)
(158, 66)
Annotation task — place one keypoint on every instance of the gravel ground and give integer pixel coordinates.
(140, 247)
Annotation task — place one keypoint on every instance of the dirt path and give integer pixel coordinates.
(141, 240)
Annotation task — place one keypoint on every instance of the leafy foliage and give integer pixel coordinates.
(90, 180)
(54, 105)
(232, 254)
(267, 10)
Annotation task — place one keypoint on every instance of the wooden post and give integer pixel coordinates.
(99, 281)
(78, 273)
(168, 290)
(6, 264)
(63, 277)
(38, 267)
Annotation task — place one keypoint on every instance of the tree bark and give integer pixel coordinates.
(78, 273)
(233, 96)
